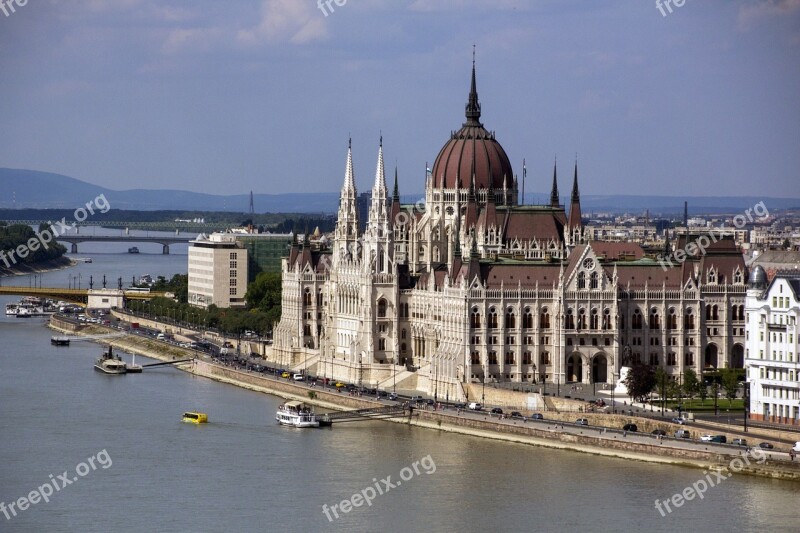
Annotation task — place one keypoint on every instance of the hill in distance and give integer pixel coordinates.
(21, 188)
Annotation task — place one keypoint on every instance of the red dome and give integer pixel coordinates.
(472, 151)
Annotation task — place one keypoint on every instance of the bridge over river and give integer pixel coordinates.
(164, 241)
(75, 295)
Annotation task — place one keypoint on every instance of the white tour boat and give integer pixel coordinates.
(297, 414)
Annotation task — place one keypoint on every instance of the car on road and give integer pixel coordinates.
(537, 416)
(659, 432)
(393, 396)
(633, 428)
(582, 422)
(298, 377)
(719, 439)
(682, 434)
(766, 446)
(739, 442)
(516, 414)
(340, 385)
(679, 420)
(497, 411)
(796, 447)
(285, 375)
(460, 405)
(430, 401)
(706, 438)
(475, 406)
(417, 399)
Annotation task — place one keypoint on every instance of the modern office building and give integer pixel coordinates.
(217, 271)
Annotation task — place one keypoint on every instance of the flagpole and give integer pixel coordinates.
(524, 173)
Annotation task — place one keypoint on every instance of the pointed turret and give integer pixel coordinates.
(346, 235)
(554, 201)
(473, 109)
(575, 203)
(349, 179)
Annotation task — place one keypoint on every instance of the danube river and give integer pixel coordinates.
(243, 472)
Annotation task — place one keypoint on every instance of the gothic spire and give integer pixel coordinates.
(380, 178)
(396, 191)
(575, 205)
(349, 180)
(575, 194)
(554, 192)
(473, 110)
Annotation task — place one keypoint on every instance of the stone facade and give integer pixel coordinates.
(470, 286)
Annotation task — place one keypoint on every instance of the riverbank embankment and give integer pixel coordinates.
(548, 434)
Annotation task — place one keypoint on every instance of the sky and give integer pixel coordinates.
(225, 97)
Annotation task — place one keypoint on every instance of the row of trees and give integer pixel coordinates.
(644, 379)
(263, 309)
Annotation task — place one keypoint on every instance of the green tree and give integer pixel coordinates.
(691, 385)
(730, 381)
(265, 292)
(640, 381)
(702, 390)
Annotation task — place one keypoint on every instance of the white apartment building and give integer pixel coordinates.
(773, 371)
(217, 271)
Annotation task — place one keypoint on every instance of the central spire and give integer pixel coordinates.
(473, 111)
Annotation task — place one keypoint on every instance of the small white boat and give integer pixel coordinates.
(297, 414)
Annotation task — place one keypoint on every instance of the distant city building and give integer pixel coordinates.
(773, 343)
(217, 271)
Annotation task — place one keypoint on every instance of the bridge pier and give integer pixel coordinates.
(165, 251)
(74, 247)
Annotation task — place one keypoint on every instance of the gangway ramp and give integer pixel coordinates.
(371, 413)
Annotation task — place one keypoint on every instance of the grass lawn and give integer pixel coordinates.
(708, 405)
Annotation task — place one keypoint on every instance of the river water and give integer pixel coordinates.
(243, 472)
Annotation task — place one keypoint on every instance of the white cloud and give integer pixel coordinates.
(286, 20)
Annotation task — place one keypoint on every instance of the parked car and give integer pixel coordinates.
(460, 405)
(516, 414)
(537, 416)
(497, 411)
(739, 442)
(719, 439)
(393, 396)
(298, 377)
(706, 438)
(285, 375)
(766, 446)
(682, 434)
(475, 406)
(679, 420)
(582, 422)
(633, 428)
(659, 432)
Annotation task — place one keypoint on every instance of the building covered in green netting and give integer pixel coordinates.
(264, 251)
